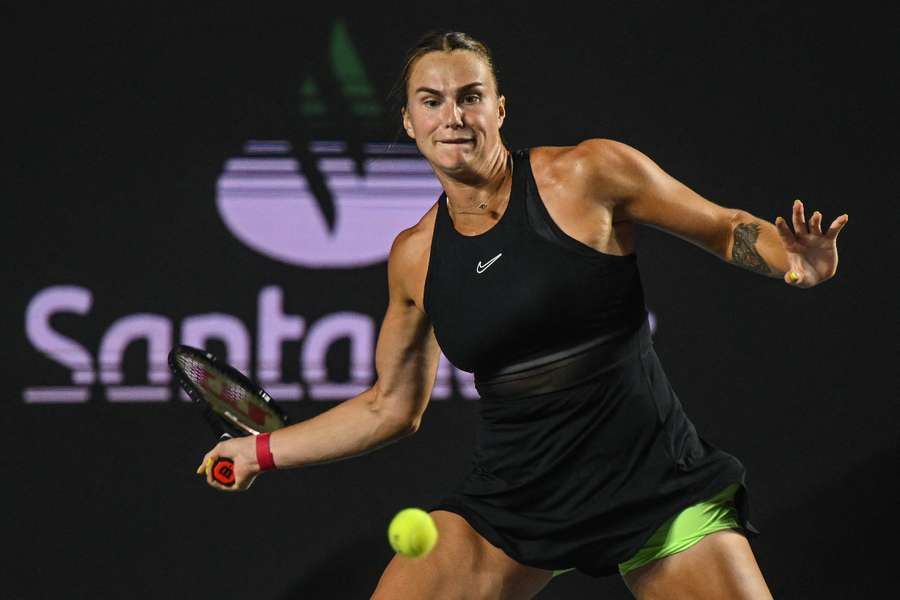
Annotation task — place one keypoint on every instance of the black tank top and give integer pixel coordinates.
(583, 448)
(524, 290)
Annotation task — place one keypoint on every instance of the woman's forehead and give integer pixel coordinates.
(446, 71)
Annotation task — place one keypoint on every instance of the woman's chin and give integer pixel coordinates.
(456, 159)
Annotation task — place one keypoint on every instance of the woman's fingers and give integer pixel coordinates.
(814, 226)
(206, 469)
(201, 470)
(222, 488)
(815, 223)
(836, 226)
(238, 451)
(806, 243)
(209, 460)
(792, 277)
(799, 218)
(787, 236)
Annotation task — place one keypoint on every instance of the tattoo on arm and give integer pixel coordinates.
(744, 253)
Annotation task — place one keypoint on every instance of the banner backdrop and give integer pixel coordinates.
(233, 177)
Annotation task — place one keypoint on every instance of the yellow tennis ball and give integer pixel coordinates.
(412, 532)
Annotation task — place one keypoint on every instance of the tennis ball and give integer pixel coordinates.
(412, 532)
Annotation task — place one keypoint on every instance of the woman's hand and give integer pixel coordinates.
(241, 450)
(812, 255)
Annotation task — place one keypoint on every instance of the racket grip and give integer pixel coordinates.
(223, 471)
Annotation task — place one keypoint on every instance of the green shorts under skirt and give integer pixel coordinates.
(685, 529)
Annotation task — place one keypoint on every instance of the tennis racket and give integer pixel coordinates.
(231, 403)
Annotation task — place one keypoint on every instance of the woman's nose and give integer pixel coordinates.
(454, 117)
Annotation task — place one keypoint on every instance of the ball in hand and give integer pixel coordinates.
(412, 532)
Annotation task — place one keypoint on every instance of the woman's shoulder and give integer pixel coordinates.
(417, 239)
(592, 161)
(414, 243)
(409, 256)
(587, 151)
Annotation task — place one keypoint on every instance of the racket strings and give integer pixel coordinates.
(228, 397)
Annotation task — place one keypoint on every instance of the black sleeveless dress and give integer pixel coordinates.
(583, 448)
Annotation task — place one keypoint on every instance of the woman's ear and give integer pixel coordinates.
(501, 110)
(407, 124)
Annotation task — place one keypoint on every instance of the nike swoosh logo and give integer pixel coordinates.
(481, 268)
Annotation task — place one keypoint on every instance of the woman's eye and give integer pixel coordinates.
(472, 98)
(431, 103)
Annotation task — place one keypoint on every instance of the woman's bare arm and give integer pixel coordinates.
(643, 193)
(406, 359)
(638, 190)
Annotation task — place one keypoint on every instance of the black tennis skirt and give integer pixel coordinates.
(582, 456)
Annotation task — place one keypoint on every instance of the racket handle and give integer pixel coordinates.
(223, 471)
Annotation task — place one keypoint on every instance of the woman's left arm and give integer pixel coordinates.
(640, 191)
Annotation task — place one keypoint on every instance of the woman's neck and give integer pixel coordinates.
(480, 193)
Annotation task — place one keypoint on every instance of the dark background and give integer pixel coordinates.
(120, 119)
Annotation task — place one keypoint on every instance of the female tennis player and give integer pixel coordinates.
(524, 273)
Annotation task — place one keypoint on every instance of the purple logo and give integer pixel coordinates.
(267, 203)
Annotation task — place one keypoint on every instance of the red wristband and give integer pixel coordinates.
(264, 453)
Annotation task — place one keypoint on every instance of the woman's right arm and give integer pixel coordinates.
(406, 360)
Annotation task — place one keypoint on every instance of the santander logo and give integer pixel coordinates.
(268, 204)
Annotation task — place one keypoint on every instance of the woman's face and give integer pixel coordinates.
(453, 111)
